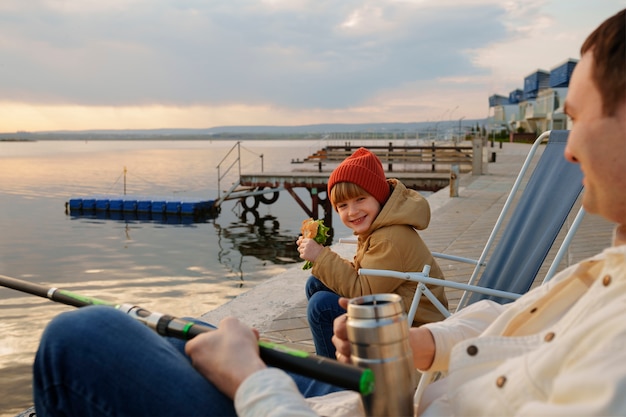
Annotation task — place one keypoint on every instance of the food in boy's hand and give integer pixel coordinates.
(314, 229)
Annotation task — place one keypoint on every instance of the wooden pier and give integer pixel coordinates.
(433, 158)
(422, 168)
(254, 189)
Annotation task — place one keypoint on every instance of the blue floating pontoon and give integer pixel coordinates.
(187, 207)
(116, 204)
(130, 205)
(75, 203)
(102, 205)
(158, 206)
(144, 205)
(89, 204)
(172, 207)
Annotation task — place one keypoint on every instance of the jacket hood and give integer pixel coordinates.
(404, 206)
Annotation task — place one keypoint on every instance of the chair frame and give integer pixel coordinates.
(470, 287)
(423, 279)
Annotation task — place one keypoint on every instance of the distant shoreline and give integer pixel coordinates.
(330, 131)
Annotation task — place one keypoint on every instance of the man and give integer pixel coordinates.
(558, 350)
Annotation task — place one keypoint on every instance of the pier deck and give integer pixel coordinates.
(424, 181)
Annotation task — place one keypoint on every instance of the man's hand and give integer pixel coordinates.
(226, 356)
(423, 347)
(340, 334)
(420, 339)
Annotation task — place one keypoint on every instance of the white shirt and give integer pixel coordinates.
(558, 350)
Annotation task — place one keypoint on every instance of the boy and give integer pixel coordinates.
(385, 216)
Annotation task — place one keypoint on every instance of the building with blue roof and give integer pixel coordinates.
(537, 107)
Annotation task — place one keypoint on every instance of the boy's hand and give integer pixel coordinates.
(316, 231)
(309, 249)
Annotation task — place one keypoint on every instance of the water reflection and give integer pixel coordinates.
(261, 237)
(252, 235)
(178, 265)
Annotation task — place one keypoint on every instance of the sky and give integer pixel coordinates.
(148, 64)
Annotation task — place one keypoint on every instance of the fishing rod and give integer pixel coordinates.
(317, 367)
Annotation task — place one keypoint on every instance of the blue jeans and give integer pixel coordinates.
(322, 309)
(98, 361)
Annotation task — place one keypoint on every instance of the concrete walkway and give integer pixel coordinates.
(459, 226)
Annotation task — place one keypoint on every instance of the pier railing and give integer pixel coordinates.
(237, 161)
(236, 190)
(221, 173)
(433, 155)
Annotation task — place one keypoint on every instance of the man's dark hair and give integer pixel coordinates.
(608, 45)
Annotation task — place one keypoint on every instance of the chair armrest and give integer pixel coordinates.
(422, 278)
(352, 240)
(455, 258)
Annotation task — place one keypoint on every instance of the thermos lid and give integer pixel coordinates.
(375, 306)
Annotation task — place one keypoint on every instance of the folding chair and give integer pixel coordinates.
(534, 224)
(532, 228)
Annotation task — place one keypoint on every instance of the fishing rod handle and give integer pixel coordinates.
(300, 362)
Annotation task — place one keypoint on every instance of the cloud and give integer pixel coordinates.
(148, 52)
(270, 58)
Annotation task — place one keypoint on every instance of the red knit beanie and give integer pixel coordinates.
(364, 169)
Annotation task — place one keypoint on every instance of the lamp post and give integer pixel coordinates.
(460, 131)
(452, 120)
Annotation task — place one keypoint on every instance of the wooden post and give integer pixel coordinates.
(454, 180)
(390, 165)
(433, 156)
(477, 156)
(314, 202)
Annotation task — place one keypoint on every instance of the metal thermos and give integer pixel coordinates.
(379, 338)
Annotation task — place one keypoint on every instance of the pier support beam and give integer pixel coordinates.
(316, 202)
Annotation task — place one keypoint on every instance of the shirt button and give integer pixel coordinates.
(472, 350)
(606, 280)
(500, 381)
(549, 336)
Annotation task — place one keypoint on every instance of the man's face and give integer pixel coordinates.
(598, 143)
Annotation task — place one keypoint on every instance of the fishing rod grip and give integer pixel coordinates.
(300, 362)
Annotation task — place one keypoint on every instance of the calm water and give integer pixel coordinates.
(177, 267)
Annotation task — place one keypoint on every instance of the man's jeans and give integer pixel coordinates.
(322, 309)
(98, 361)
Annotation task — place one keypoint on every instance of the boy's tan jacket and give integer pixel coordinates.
(391, 243)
